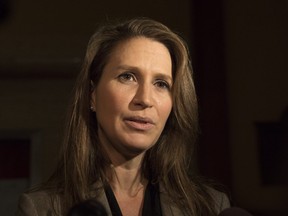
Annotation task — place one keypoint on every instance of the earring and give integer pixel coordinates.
(92, 109)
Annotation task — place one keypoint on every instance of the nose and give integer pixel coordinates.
(143, 96)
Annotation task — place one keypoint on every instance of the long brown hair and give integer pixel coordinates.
(82, 160)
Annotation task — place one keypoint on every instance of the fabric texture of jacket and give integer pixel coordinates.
(39, 203)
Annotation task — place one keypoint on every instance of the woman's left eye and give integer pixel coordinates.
(162, 84)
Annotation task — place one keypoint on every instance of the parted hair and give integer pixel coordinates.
(82, 160)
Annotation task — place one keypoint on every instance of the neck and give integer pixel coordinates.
(126, 176)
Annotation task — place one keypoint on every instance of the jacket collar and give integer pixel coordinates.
(167, 206)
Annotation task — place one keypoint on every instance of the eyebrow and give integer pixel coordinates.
(158, 75)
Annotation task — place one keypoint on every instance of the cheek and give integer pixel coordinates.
(165, 109)
(110, 101)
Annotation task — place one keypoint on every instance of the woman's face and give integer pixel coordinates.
(133, 98)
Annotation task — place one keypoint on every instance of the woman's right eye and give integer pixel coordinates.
(124, 77)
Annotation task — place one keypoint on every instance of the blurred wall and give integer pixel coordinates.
(240, 61)
(257, 75)
(56, 31)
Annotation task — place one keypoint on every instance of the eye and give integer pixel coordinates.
(163, 84)
(127, 77)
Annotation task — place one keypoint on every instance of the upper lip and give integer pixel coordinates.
(140, 119)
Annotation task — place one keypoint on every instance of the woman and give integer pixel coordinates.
(131, 130)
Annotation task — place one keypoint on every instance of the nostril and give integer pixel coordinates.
(142, 102)
(143, 97)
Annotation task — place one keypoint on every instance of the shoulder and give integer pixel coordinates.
(210, 195)
(220, 199)
(35, 203)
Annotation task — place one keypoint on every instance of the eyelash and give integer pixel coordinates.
(124, 77)
(162, 84)
(127, 77)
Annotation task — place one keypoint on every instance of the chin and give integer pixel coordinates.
(134, 150)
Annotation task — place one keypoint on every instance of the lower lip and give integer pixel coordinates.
(139, 125)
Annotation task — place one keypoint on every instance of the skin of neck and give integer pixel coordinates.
(127, 178)
(124, 174)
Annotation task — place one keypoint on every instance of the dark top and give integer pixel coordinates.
(151, 205)
(39, 202)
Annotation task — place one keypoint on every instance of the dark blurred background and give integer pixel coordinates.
(239, 51)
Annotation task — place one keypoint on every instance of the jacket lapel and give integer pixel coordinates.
(99, 194)
(167, 206)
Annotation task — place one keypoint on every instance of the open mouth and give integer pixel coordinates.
(139, 123)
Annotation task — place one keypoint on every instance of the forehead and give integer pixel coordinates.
(138, 43)
(136, 48)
